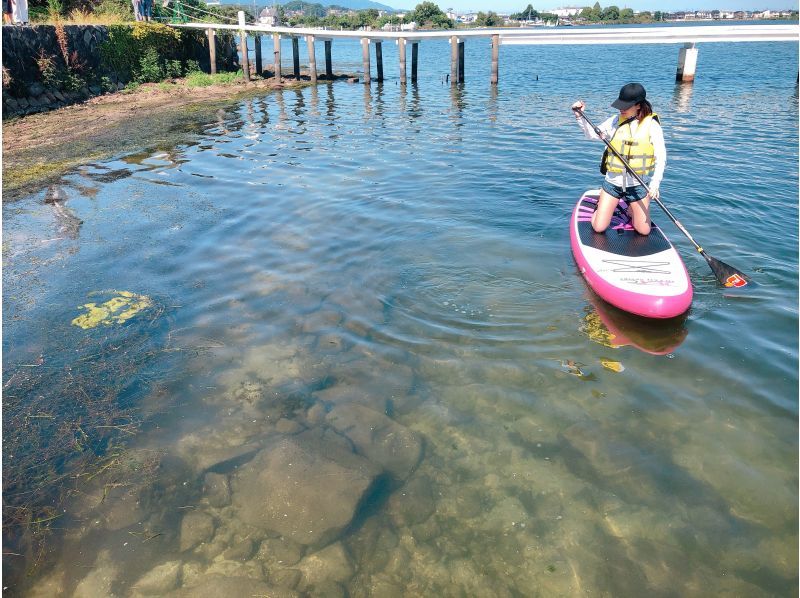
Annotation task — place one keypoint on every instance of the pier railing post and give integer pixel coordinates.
(328, 60)
(687, 63)
(401, 48)
(365, 58)
(243, 48)
(276, 50)
(453, 60)
(379, 59)
(259, 66)
(312, 58)
(414, 55)
(495, 58)
(460, 62)
(296, 57)
(212, 51)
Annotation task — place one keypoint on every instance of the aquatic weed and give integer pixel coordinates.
(67, 416)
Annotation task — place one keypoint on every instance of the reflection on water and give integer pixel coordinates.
(682, 97)
(370, 368)
(614, 328)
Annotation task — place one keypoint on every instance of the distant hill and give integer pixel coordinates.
(348, 4)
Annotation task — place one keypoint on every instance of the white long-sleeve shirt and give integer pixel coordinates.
(625, 179)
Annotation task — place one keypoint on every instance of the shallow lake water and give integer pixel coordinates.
(356, 357)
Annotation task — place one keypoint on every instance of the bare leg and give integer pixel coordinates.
(640, 213)
(605, 209)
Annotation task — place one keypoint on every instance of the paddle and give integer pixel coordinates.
(726, 275)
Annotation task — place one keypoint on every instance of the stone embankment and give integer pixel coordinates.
(47, 66)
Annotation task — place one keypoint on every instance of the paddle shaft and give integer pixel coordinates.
(639, 179)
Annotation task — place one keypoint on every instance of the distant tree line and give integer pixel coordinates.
(597, 13)
(428, 15)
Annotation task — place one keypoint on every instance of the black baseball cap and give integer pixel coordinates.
(629, 95)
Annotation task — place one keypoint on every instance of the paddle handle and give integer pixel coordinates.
(639, 179)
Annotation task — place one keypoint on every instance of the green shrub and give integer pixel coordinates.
(173, 69)
(72, 82)
(150, 68)
(55, 8)
(121, 9)
(126, 49)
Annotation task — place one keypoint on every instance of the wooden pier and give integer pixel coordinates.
(686, 37)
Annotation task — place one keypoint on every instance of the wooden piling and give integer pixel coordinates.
(259, 66)
(296, 57)
(401, 48)
(276, 51)
(212, 51)
(495, 59)
(460, 62)
(312, 58)
(365, 58)
(453, 60)
(414, 54)
(379, 59)
(328, 60)
(243, 48)
(687, 63)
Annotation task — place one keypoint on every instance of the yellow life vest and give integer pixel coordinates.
(637, 149)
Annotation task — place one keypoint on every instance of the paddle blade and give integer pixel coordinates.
(728, 276)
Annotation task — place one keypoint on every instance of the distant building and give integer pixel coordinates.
(566, 11)
(269, 17)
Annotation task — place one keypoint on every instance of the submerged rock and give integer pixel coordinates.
(217, 489)
(383, 441)
(280, 552)
(413, 503)
(286, 578)
(218, 586)
(211, 448)
(99, 581)
(306, 488)
(196, 528)
(159, 580)
(240, 551)
(329, 564)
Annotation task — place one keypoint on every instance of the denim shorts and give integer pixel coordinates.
(630, 194)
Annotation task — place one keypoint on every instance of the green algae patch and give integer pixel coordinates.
(117, 310)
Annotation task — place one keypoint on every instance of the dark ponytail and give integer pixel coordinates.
(645, 110)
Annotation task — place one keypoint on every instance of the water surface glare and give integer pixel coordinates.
(370, 367)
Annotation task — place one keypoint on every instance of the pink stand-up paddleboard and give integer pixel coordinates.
(643, 275)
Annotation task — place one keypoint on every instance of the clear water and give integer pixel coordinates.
(407, 250)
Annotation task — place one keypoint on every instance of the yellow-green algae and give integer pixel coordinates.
(116, 310)
(594, 328)
(610, 364)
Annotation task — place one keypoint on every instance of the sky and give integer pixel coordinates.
(512, 6)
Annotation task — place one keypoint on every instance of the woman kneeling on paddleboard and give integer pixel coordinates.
(637, 135)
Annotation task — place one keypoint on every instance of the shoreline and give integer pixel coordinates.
(40, 148)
